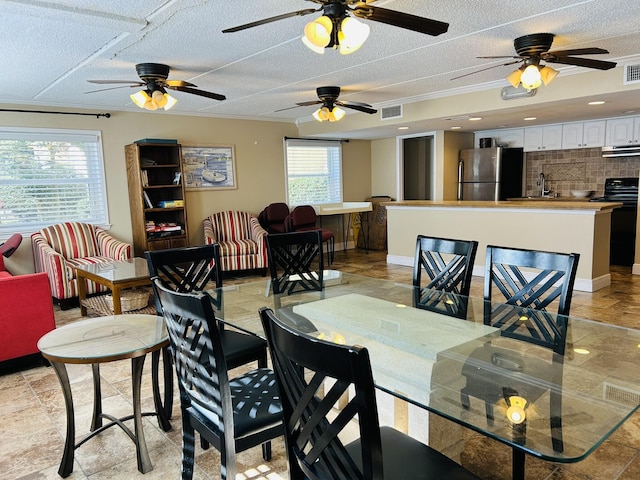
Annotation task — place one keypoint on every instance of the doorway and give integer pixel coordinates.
(418, 168)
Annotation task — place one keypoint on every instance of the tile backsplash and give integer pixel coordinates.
(579, 169)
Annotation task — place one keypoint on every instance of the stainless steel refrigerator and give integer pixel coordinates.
(490, 173)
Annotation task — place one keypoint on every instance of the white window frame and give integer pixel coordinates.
(98, 212)
(332, 169)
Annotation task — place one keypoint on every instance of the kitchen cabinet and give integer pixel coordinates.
(547, 137)
(156, 196)
(583, 134)
(512, 137)
(623, 131)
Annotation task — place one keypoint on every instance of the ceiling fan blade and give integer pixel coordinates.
(581, 62)
(361, 107)
(202, 93)
(577, 51)
(483, 69)
(503, 56)
(300, 13)
(400, 19)
(113, 88)
(177, 83)
(306, 104)
(107, 82)
(288, 108)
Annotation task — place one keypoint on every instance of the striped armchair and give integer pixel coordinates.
(242, 240)
(58, 249)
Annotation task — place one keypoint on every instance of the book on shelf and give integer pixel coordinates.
(151, 226)
(145, 178)
(171, 203)
(147, 200)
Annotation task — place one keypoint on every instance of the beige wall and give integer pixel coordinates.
(384, 173)
(259, 153)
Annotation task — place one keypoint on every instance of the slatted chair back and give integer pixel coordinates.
(536, 281)
(232, 415)
(187, 269)
(296, 262)
(314, 447)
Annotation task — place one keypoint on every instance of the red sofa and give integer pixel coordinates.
(26, 313)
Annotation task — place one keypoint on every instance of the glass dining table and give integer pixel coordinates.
(424, 356)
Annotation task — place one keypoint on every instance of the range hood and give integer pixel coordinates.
(621, 151)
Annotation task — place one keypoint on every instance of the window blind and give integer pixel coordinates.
(313, 171)
(49, 176)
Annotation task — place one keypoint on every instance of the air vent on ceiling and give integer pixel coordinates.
(631, 74)
(387, 113)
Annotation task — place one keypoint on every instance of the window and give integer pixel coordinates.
(313, 171)
(49, 176)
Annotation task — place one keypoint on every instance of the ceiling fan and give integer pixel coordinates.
(337, 29)
(533, 49)
(153, 79)
(328, 98)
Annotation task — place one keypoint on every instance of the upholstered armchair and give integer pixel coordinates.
(58, 249)
(241, 238)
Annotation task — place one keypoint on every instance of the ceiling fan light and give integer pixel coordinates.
(311, 46)
(352, 35)
(336, 114)
(322, 114)
(547, 74)
(514, 78)
(171, 101)
(531, 78)
(318, 32)
(140, 98)
(158, 98)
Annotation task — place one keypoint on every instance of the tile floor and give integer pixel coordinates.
(33, 420)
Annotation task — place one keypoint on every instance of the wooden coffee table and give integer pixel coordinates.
(116, 276)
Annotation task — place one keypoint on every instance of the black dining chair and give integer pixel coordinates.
(540, 285)
(442, 271)
(312, 375)
(196, 269)
(232, 414)
(296, 265)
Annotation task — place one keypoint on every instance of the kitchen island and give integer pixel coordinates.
(558, 226)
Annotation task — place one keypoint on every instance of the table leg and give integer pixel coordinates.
(142, 453)
(115, 295)
(96, 421)
(82, 292)
(517, 466)
(66, 465)
(163, 411)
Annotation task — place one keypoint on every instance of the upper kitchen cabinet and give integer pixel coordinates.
(623, 131)
(510, 137)
(583, 134)
(548, 137)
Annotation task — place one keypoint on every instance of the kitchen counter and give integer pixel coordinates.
(577, 226)
(550, 199)
(547, 203)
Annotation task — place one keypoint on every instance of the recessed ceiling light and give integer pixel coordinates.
(530, 118)
(596, 102)
(456, 128)
(473, 119)
(403, 128)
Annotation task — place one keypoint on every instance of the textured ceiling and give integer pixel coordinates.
(51, 49)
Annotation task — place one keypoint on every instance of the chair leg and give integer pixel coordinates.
(489, 411)
(188, 448)
(262, 361)
(266, 451)
(464, 400)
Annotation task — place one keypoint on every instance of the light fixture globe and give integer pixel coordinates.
(352, 35)
(531, 78)
(318, 32)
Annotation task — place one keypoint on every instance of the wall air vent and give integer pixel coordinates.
(621, 395)
(631, 74)
(387, 113)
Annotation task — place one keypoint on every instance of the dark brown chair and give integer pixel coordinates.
(312, 375)
(304, 217)
(233, 414)
(442, 273)
(542, 294)
(274, 216)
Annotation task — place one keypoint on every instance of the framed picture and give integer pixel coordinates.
(209, 168)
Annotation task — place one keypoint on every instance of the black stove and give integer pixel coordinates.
(623, 190)
(623, 219)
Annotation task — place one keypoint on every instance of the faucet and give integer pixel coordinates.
(541, 180)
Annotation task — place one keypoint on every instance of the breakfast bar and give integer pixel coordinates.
(559, 226)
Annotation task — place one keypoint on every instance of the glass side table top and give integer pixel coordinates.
(118, 271)
(103, 339)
